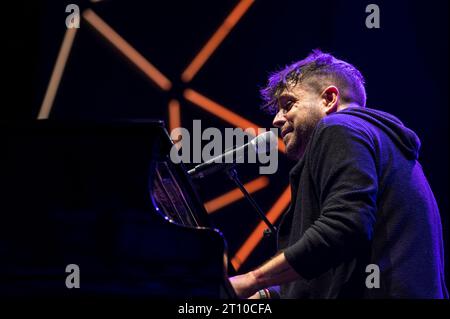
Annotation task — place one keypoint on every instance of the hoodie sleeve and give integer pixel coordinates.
(343, 171)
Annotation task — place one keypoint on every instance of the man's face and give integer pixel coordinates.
(299, 111)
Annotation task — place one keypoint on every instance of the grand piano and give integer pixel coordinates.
(106, 198)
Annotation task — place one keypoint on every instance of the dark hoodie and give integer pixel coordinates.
(360, 198)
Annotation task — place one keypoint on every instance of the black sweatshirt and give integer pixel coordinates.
(360, 197)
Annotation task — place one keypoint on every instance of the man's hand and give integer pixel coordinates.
(245, 285)
(256, 295)
(274, 272)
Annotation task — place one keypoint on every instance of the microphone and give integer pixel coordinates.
(259, 144)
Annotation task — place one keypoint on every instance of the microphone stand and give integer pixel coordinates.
(269, 232)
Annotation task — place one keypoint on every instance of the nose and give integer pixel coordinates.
(279, 119)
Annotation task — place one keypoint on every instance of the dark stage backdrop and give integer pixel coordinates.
(405, 63)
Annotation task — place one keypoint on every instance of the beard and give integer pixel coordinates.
(298, 139)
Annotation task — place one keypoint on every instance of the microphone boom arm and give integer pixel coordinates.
(232, 174)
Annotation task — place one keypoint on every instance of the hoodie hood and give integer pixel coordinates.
(402, 136)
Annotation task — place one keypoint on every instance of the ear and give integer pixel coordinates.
(330, 99)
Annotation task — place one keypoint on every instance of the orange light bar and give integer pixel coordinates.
(217, 38)
(57, 73)
(175, 122)
(281, 146)
(256, 236)
(218, 110)
(127, 50)
(224, 113)
(236, 194)
(174, 114)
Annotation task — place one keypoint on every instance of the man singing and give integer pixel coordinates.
(360, 200)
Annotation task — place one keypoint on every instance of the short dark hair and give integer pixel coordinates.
(317, 70)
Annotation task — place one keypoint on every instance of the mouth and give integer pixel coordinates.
(285, 132)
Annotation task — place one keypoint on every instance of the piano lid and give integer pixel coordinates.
(85, 194)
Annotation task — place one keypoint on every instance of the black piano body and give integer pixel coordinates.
(106, 198)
